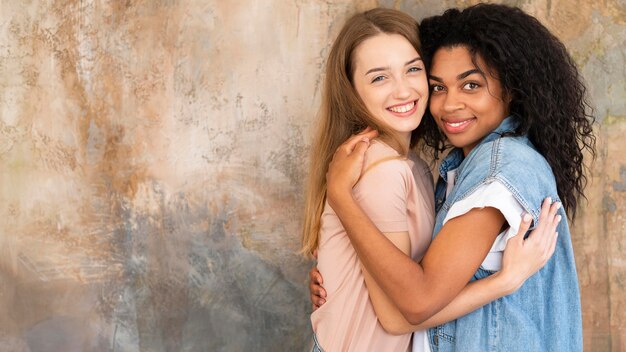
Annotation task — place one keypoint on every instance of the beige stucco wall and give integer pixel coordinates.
(152, 158)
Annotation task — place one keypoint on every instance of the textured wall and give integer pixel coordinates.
(152, 157)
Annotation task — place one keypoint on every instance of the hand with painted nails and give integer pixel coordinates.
(345, 169)
(523, 257)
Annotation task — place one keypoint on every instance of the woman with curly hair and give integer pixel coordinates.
(508, 97)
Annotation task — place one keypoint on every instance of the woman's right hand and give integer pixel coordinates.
(318, 294)
(524, 257)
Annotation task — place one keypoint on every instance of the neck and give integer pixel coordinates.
(397, 141)
(406, 142)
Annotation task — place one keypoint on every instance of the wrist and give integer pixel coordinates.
(507, 283)
(336, 196)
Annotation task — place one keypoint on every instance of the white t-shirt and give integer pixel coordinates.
(495, 195)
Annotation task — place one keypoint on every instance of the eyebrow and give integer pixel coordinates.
(377, 69)
(461, 76)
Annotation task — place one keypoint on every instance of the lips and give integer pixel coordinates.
(454, 126)
(404, 109)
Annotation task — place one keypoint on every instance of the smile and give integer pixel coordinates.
(457, 126)
(402, 109)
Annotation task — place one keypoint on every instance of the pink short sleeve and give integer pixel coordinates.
(382, 194)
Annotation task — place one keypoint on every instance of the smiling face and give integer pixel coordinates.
(466, 101)
(390, 79)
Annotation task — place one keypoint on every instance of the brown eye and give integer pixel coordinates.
(436, 88)
(470, 86)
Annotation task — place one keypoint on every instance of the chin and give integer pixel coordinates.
(456, 143)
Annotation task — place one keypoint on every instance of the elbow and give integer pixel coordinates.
(417, 314)
(416, 318)
(393, 327)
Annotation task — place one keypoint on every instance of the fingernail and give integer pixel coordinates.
(549, 200)
(527, 217)
(558, 205)
(557, 234)
(558, 218)
(365, 139)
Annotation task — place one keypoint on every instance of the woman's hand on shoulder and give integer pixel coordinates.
(345, 169)
(524, 257)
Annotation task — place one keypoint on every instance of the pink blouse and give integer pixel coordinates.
(397, 195)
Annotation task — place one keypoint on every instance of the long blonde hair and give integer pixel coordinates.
(342, 112)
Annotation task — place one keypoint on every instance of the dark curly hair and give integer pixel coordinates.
(536, 71)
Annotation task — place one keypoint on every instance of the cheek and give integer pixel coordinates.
(370, 100)
(373, 103)
(420, 84)
(425, 87)
(434, 104)
(367, 94)
(497, 108)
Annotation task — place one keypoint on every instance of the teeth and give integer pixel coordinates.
(403, 108)
(457, 124)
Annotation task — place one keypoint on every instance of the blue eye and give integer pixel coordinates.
(415, 69)
(378, 79)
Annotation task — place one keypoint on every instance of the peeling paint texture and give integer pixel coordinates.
(153, 157)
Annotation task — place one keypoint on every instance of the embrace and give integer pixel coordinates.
(482, 261)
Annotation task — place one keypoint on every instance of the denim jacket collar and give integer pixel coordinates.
(454, 159)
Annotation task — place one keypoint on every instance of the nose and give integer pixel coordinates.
(452, 102)
(402, 89)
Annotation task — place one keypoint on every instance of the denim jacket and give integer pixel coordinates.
(544, 314)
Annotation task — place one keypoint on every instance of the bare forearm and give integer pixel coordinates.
(419, 290)
(400, 277)
(475, 295)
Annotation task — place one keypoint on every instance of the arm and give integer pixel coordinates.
(421, 290)
(522, 258)
(382, 194)
(472, 296)
(445, 270)
(390, 318)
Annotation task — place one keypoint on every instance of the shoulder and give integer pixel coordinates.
(382, 189)
(516, 159)
(379, 149)
(524, 171)
(380, 157)
(512, 160)
(519, 149)
(508, 153)
(384, 170)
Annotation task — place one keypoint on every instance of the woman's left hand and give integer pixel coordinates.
(524, 257)
(316, 290)
(347, 164)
